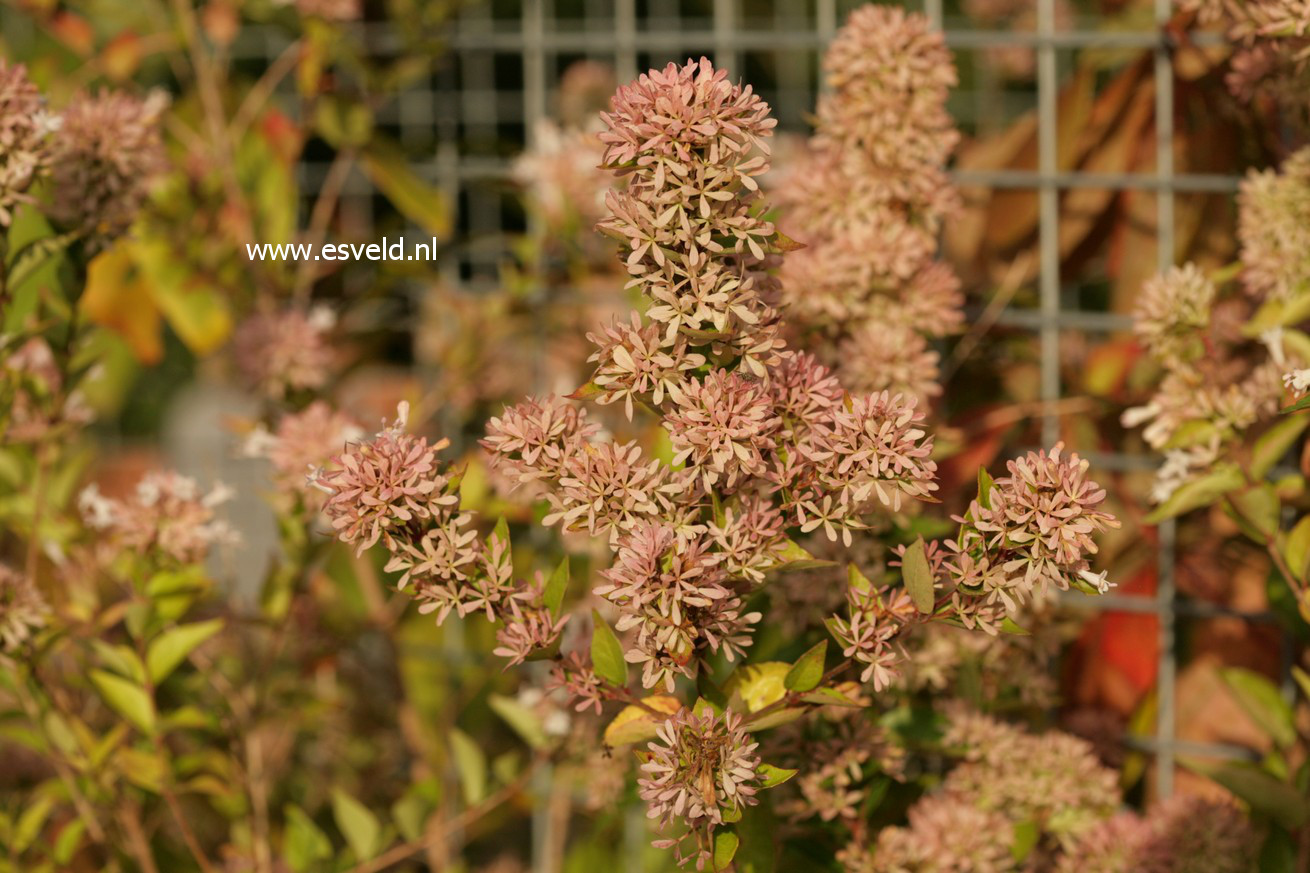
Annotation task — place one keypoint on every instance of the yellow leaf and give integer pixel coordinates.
(634, 724)
(197, 311)
(759, 684)
(117, 297)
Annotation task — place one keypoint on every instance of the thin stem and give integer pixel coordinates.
(407, 849)
(319, 217)
(130, 818)
(263, 89)
(211, 101)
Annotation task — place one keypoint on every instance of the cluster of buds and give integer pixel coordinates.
(1025, 535)
(107, 153)
(689, 144)
(166, 516)
(837, 753)
(102, 154)
(25, 129)
(281, 353)
(1184, 833)
(868, 198)
(763, 438)
(701, 766)
(1271, 57)
(301, 444)
(765, 443)
(1007, 779)
(393, 489)
(23, 610)
(1224, 376)
(33, 394)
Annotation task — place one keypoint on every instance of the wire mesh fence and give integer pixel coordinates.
(482, 102)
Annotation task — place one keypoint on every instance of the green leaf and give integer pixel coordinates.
(790, 557)
(807, 672)
(585, 392)
(856, 579)
(784, 243)
(1296, 549)
(31, 257)
(985, 485)
(725, 848)
(357, 824)
(1262, 701)
(303, 843)
(1274, 443)
(771, 775)
(1302, 679)
(343, 122)
(1199, 492)
(127, 698)
(144, 769)
(710, 690)
(758, 830)
(172, 647)
(411, 812)
(523, 720)
(1026, 834)
(607, 653)
(122, 659)
(1010, 626)
(1278, 854)
(1298, 406)
(1278, 313)
(500, 532)
(471, 765)
(556, 586)
(829, 697)
(774, 719)
(1264, 793)
(414, 198)
(69, 841)
(29, 824)
(1257, 511)
(918, 576)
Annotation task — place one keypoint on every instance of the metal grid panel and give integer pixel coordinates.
(498, 80)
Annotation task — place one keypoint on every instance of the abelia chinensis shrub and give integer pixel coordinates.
(764, 445)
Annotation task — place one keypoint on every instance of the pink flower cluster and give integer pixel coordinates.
(23, 611)
(1272, 49)
(1184, 834)
(1049, 782)
(281, 353)
(32, 394)
(167, 517)
(1029, 533)
(868, 199)
(393, 489)
(763, 438)
(302, 443)
(701, 766)
(25, 129)
(106, 155)
(1219, 380)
